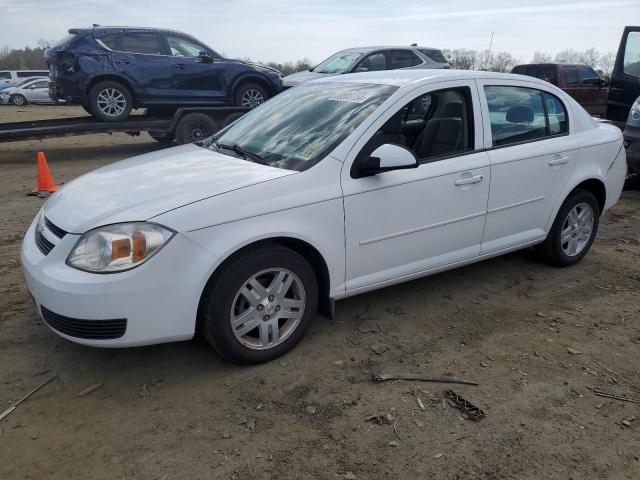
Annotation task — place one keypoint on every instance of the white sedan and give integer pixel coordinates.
(338, 187)
(32, 91)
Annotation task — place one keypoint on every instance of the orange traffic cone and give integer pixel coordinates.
(44, 184)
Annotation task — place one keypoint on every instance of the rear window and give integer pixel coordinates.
(435, 55)
(402, 59)
(66, 41)
(5, 75)
(110, 40)
(147, 43)
(570, 75)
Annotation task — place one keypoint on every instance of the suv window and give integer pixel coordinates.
(5, 75)
(147, 43)
(589, 76)
(111, 40)
(518, 114)
(434, 126)
(570, 75)
(402, 59)
(435, 55)
(374, 62)
(631, 64)
(183, 47)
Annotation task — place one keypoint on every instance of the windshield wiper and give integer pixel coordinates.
(238, 149)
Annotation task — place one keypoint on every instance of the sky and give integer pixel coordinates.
(280, 30)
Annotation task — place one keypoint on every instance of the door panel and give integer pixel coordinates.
(404, 222)
(197, 79)
(407, 222)
(146, 68)
(625, 78)
(526, 178)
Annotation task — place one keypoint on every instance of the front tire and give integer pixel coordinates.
(110, 101)
(573, 230)
(250, 95)
(18, 100)
(259, 305)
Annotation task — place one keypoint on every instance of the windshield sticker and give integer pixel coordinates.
(351, 97)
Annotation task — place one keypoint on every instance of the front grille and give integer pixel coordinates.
(57, 231)
(89, 329)
(43, 244)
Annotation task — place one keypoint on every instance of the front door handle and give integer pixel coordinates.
(469, 180)
(180, 66)
(558, 160)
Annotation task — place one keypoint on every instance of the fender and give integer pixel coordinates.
(251, 77)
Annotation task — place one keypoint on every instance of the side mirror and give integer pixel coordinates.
(361, 69)
(385, 158)
(205, 57)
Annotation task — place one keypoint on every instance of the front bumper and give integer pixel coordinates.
(156, 302)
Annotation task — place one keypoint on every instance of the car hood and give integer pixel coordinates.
(302, 77)
(143, 187)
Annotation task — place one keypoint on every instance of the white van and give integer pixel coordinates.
(14, 76)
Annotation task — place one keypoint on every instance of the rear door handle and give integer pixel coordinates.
(558, 160)
(469, 180)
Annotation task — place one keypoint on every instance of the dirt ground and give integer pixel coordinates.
(177, 411)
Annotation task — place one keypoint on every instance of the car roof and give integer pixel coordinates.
(400, 78)
(387, 47)
(552, 65)
(120, 27)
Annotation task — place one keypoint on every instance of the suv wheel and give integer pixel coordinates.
(259, 305)
(573, 230)
(251, 95)
(18, 100)
(110, 101)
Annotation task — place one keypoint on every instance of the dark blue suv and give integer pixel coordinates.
(110, 70)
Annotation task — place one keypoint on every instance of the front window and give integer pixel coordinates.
(338, 63)
(183, 47)
(298, 128)
(403, 59)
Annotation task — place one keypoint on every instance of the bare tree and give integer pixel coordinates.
(590, 57)
(606, 63)
(541, 57)
(462, 59)
(567, 56)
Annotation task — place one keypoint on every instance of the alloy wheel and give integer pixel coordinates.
(267, 308)
(111, 102)
(252, 98)
(18, 100)
(577, 229)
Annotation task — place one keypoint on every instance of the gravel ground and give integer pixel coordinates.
(534, 337)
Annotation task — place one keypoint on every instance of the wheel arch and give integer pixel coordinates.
(114, 78)
(251, 78)
(596, 187)
(309, 252)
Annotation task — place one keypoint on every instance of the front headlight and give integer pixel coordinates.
(118, 247)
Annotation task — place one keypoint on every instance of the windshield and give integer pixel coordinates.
(338, 63)
(299, 127)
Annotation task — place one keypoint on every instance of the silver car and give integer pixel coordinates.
(370, 59)
(33, 91)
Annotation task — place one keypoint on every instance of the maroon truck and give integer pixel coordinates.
(579, 81)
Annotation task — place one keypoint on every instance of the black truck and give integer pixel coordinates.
(624, 95)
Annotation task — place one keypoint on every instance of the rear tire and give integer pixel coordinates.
(110, 101)
(194, 127)
(273, 320)
(18, 100)
(250, 95)
(573, 231)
